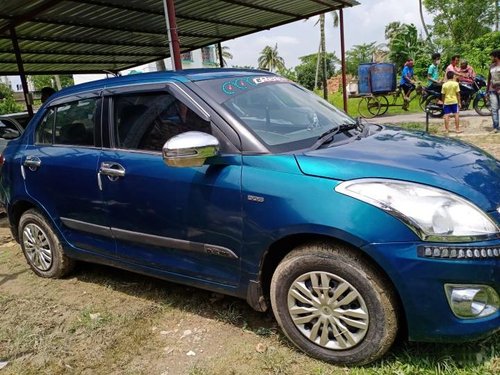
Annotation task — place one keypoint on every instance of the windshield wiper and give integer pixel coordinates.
(326, 137)
(329, 135)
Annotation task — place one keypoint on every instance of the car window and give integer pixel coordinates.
(147, 121)
(75, 123)
(45, 130)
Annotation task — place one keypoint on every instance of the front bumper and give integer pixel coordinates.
(420, 284)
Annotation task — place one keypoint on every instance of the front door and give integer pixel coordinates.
(184, 221)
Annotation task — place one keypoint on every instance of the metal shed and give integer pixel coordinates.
(89, 36)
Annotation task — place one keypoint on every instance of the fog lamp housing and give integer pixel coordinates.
(472, 301)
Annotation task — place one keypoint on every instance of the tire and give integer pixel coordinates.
(435, 109)
(482, 105)
(369, 107)
(41, 247)
(384, 105)
(369, 302)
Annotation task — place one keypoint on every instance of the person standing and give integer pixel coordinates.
(451, 100)
(407, 82)
(494, 87)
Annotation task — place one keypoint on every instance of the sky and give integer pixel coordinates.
(364, 23)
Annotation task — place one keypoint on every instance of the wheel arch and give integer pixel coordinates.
(16, 211)
(279, 249)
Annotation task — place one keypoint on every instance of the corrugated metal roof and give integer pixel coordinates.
(87, 36)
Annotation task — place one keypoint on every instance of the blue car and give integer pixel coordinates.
(244, 183)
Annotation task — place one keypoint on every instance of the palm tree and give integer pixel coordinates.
(270, 59)
(322, 50)
(226, 55)
(420, 7)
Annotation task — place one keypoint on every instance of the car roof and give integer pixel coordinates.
(188, 75)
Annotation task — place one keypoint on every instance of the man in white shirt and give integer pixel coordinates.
(494, 88)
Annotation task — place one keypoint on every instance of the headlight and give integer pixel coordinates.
(433, 214)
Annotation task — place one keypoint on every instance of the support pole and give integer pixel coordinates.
(342, 57)
(20, 67)
(221, 58)
(173, 38)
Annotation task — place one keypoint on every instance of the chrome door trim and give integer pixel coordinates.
(148, 239)
(160, 241)
(84, 226)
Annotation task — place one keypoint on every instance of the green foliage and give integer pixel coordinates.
(404, 44)
(306, 71)
(359, 54)
(270, 59)
(457, 22)
(477, 51)
(244, 67)
(40, 81)
(7, 102)
(290, 74)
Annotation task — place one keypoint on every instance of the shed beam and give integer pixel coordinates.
(76, 53)
(29, 15)
(342, 59)
(103, 42)
(118, 28)
(20, 69)
(179, 15)
(261, 7)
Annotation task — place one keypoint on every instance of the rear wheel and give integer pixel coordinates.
(369, 107)
(41, 247)
(482, 105)
(334, 305)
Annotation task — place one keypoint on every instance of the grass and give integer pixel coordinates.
(353, 103)
(107, 321)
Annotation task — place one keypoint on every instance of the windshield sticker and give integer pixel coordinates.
(241, 84)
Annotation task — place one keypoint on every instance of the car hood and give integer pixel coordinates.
(412, 156)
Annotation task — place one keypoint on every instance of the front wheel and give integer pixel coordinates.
(334, 305)
(482, 105)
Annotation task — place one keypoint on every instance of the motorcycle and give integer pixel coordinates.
(474, 93)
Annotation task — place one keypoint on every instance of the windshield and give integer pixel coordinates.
(284, 116)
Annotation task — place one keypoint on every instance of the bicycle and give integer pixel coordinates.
(378, 104)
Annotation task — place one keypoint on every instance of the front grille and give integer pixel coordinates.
(458, 253)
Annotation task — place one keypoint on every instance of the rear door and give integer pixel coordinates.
(60, 168)
(185, 221)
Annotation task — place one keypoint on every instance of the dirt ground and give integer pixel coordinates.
(106, 321)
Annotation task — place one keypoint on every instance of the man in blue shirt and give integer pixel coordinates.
(407, 82)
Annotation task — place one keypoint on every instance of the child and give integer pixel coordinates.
(451, 100)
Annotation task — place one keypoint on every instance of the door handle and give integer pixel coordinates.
(112, 170)
(32, 162)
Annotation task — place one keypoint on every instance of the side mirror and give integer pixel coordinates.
(190, 149)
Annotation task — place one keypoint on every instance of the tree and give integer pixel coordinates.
(322, 50)
(226, 55)
(306, 70)
(290, 74)
(359, 54)
(7, 102)
(457, 22)
(40, 81)
(404, 43)
(270, 59)
(421, 10)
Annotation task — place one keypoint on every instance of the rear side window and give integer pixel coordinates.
(147, 121)
(69, 124)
